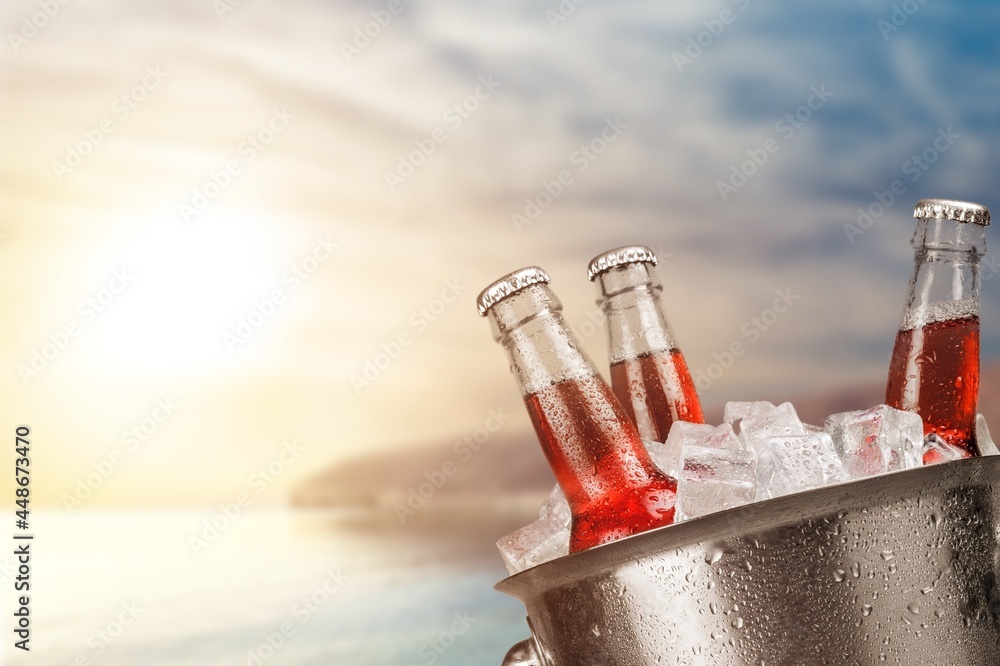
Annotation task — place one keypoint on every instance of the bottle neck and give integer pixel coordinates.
(630, 299)
(541, 349)
(945, 283)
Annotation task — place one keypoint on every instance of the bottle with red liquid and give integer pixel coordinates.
(613, 488)
(648, 371)
(934, 369)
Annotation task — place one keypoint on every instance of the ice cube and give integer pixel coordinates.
(667, 456)
(856, 437)
(735, 411)
(714, 479)
(655, 451)
(791, 464)
(983, 439)
(905, 434)
(724, 437)
(545, 539)
(936, 451)
(765, 421)
(877, 440)
(557, 506)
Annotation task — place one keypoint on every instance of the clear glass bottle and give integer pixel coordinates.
(648, 371)
(613, 488)
(934, 369)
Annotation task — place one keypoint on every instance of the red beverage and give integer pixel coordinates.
(935, 372)
(648, 371)
(934, 369)
(611, 484)
(656, 390)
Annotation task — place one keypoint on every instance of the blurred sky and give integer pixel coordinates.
(117, 116)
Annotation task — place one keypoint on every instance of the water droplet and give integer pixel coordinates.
(914, 608)
(888, 555)
(840, 575)
(866, 610)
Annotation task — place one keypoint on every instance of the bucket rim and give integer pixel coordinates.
(873, 491)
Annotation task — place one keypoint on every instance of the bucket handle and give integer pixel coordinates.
(522, 654)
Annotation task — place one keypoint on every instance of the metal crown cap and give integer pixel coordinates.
(622, 256)
(947, 209)
(508, 285)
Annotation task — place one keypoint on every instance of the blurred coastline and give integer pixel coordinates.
(502, 486)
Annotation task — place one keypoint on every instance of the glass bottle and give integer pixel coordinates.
(648, 371)
(934, 369)
(613, 488)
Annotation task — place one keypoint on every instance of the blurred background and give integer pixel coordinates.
(242, 241)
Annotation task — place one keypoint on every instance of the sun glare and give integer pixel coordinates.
(181, 289)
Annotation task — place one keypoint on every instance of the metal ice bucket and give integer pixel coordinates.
(896, 569)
